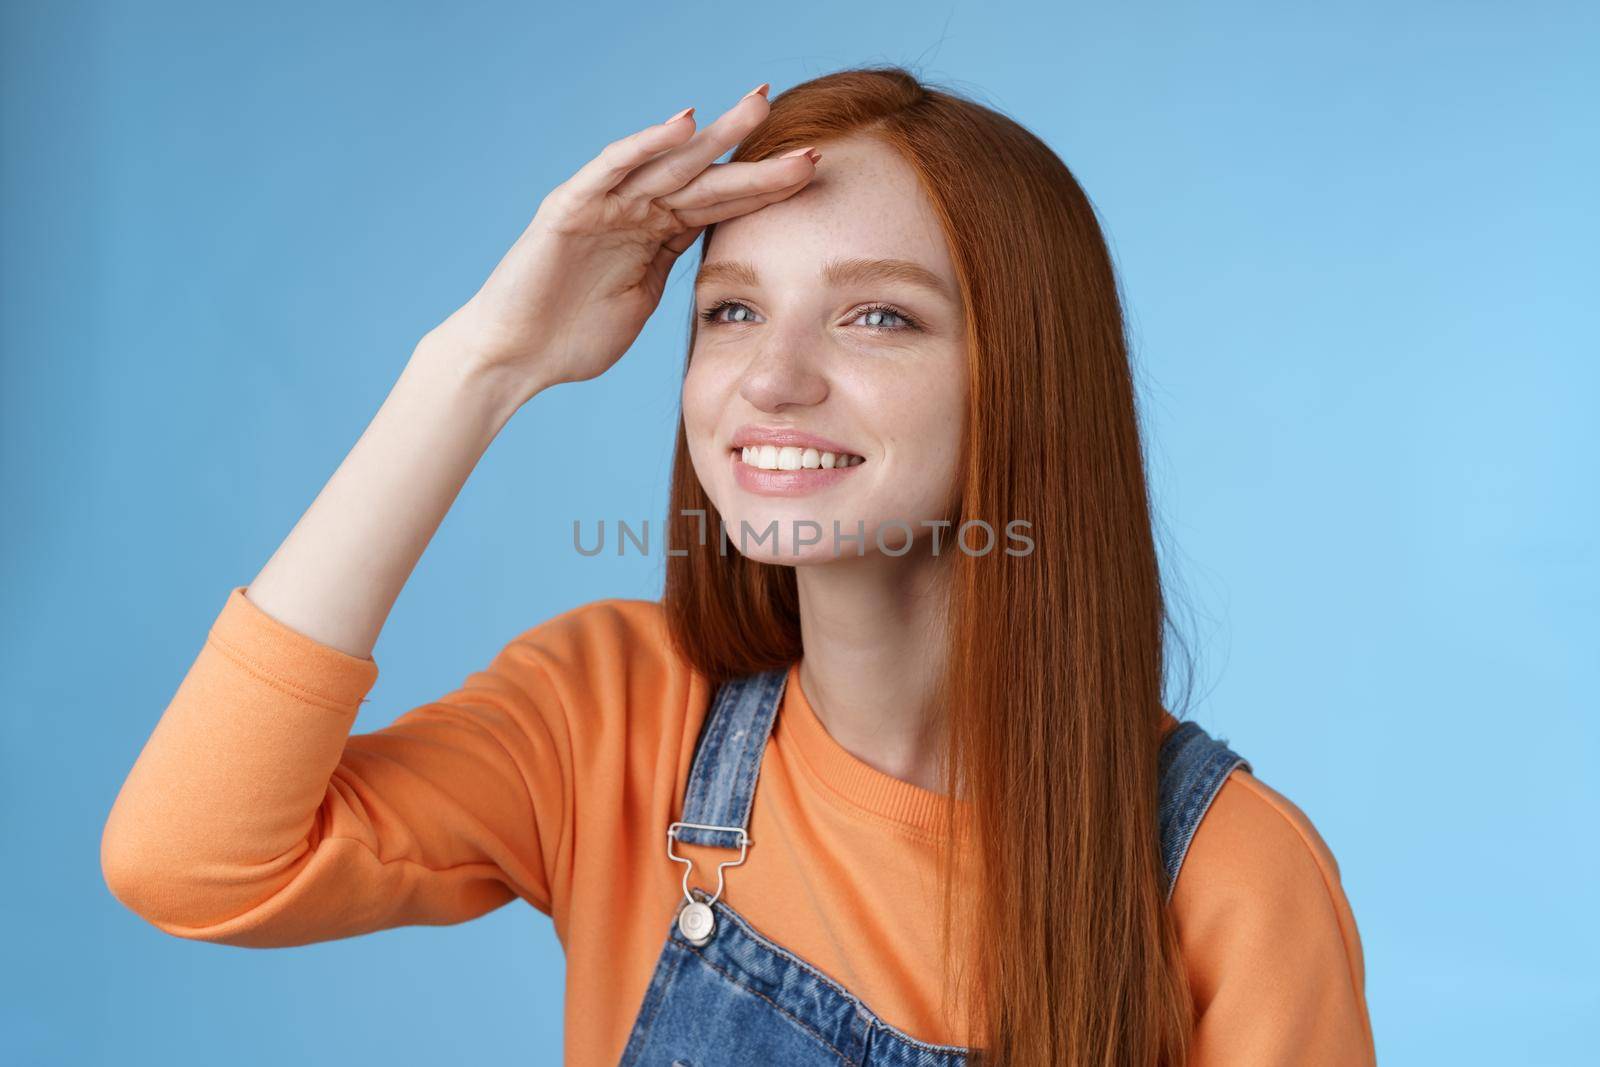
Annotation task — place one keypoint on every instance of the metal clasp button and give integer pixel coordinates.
(696, 921)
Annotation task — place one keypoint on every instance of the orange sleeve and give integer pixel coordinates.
(1274, 957)
(251, 816)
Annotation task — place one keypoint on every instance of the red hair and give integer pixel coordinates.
(1051, 699)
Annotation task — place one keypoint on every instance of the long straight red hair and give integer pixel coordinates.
(1051, 699)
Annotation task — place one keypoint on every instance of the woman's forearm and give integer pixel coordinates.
(337, 575)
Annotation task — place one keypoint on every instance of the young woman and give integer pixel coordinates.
(899, 713)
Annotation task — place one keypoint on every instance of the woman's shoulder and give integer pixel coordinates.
(1267, 930)
(602, 634)
(1255, 849)
(605, 615)
(601, 662)
(1260, 902)
(1254, 831)
(1287, 844)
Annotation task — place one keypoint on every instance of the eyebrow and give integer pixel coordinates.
(838, 272)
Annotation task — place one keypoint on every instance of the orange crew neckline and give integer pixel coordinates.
(855, 782)
(847, 776)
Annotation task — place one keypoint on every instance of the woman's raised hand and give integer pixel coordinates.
(576, 288)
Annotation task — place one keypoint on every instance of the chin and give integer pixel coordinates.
(787, 527)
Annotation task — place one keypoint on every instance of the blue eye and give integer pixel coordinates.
(709, 315)
(875, 313)
(880, 311)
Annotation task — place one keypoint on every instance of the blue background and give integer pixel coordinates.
(1358, 250)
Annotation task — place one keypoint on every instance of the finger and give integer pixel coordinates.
(602, 173)
(680, 243)
(728, 209)
(727, 181)
(676, 168)
(661, 265)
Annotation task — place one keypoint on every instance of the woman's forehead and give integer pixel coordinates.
(865, 203)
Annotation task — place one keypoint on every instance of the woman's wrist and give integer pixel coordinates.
(458, 372)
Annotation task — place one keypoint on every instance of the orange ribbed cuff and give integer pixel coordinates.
(288, 659)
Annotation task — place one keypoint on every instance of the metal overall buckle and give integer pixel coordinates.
(696, 921)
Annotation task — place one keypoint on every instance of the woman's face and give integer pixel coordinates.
(831, 322)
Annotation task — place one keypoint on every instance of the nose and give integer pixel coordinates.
(783, 374)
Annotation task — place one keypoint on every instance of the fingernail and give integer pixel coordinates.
(761, 89)
(798, 152)
(679, 115)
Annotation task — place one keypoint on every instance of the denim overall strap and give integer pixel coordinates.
(732, 996)
(733, 738)
(1193, 766)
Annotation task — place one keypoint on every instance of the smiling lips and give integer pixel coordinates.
(795, 458)
(789, 469)
(787, 462)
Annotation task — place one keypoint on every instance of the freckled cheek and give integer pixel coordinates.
(919, 422)
(925, 458)
(704, 395)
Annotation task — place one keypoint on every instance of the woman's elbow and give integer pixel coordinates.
(134, 872)
(175, 893)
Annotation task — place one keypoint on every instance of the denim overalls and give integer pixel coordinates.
(724, 995)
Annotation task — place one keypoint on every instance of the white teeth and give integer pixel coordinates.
(793, 458)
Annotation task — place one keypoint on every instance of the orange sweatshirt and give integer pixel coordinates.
(252, 817)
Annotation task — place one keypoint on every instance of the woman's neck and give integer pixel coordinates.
(873, 629)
